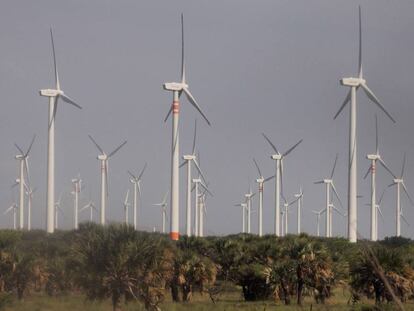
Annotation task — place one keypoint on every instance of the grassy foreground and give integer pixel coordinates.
(227, 302)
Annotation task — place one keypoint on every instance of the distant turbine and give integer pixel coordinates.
(77, 187)
(329, 186)
(244, 208)
(136, 181)
(377, 210)
(58, 209)
(91, 207)
(13, 208)
(318, 216)
(197, 182)
(103, 157)
(126, 206)
(355, 84)
(299, 196)
(187, 161)
(286, 213)
(374, 158)
(178, 88)
(22, 157)
(261, 180)
(163, 206)
(278, 157)
(54, 95)
(29, 193)
(399, 182)
(248, 201)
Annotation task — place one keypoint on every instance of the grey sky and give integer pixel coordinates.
(254, 66)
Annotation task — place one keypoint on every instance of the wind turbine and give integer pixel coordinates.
(260, 181)
(163, 206)
(248, 197)
(329, 186)
(91, 207)
(318, 216)
(374, 158)
(399, 182)
(377, 210)
(279, 157)
(126, 206)
(77, 188)
(286, 212)
(354, 84)
(13, 208)
(244, 208)
(187, 161)
(136, 181)
(299, 197)
(57, 210)
(103, 157)
(22, 158)
(197, 182)
(54, 95)
(178, 88)
(29, 193)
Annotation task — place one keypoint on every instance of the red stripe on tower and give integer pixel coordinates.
(176, 107)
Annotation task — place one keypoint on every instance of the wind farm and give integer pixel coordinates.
(264, 102)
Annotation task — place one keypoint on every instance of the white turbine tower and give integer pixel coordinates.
(299, 196)
(243, 208)
(103, 157)
(188, 159)
(136, 181)
(54, 95)
(399, 183)
(197, 183)
(318, 217)
(330, 186)
(77, 188)
(286, 206)
(29, 193)
(374, 158)
(260, 181)
(279, 157)
(163, 206)
(22, 158)
(13, 208)
(354, 84)
(377, 210)
(126, 207)
(178, 88)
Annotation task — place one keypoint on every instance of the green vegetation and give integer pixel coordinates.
(117, 268)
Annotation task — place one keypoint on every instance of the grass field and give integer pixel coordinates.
(227, 302)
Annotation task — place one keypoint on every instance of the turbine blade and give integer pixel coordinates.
(376, 134)
(337, 195)
(380, 212)
(360, 45)
(406, 192)
(269, 178)
(405, 220)
(142, 172)
(30, 146)
(199, 170)
(193, 102)
(319, 182)
(257, 166)
(292, 148)
(403, 166)
(54, 61)
(374, 99)
(168, 114)
(96, 144)
(270, 143)
(8, 210)
(334, 166)
(26, 168)
(117, 149)
(132, 175)
(54, 110)
(347, 99)
(18, 148)
(69, 100)
(195, 136)
(206, 189)
(164, 201)
(126, 197)
(367, 173)
(182, 50)
(382, 195)
(386, 167)
(182, 164)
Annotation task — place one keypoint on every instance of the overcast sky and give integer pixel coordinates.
(254, 66)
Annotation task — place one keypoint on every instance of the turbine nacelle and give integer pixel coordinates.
(398, 180)
(19, 157)
(102, 157)
(189, 157)
(260, 180)
(373, 156)
(327, 181)
(174, 86)
(196, 180)
(353, 82)
(276, 156)
(50, 93)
